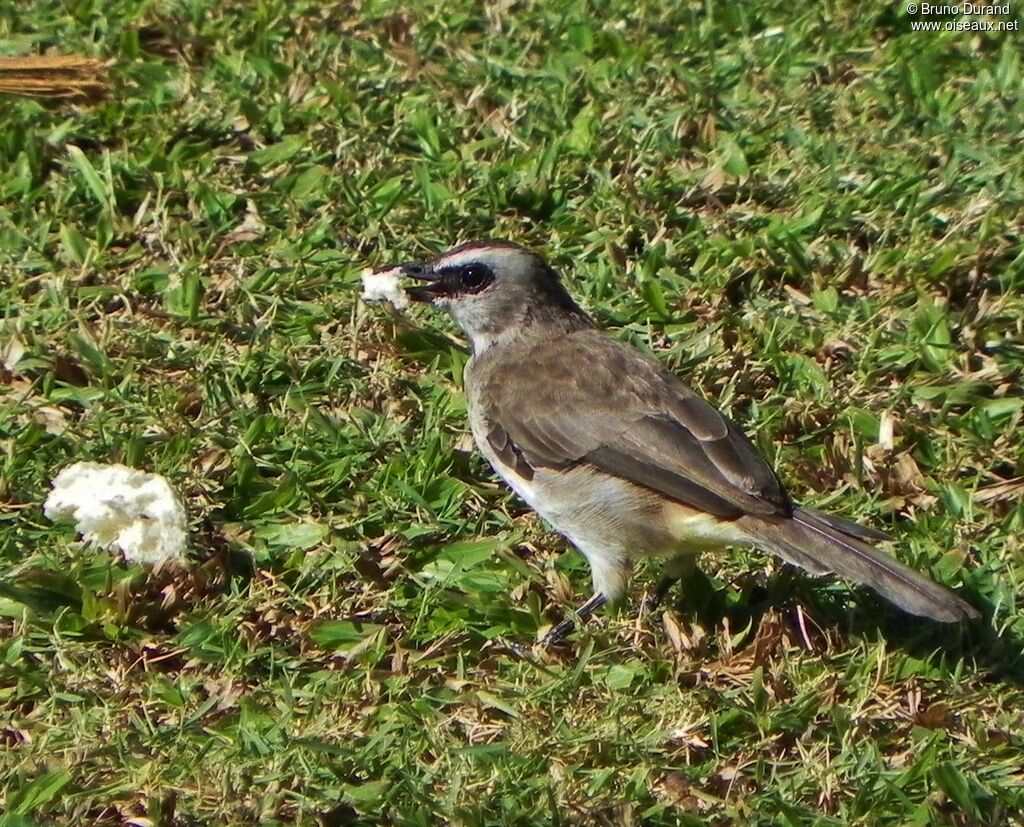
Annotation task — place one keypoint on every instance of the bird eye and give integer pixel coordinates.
(475, 277)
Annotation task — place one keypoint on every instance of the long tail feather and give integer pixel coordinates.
(821, 543)
(861, 532)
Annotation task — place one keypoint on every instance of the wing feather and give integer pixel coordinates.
(595, 400)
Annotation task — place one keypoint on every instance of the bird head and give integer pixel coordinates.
(494, 290)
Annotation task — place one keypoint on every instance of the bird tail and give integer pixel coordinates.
(825, 544)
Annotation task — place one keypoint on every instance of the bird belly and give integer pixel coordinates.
(601, 514)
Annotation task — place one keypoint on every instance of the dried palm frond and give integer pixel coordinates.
(70, 77)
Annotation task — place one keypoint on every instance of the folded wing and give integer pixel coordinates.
(631, 418)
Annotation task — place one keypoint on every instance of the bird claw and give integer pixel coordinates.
(503, 644)
(558, 634)
(568, 626)
(650, 605)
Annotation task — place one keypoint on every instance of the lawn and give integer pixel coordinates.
(813, 214)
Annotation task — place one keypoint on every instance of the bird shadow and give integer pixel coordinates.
(999, 656)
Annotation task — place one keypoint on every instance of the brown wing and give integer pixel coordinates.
(590, 399)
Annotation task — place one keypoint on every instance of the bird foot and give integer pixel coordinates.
(557, 634)
(568, 626)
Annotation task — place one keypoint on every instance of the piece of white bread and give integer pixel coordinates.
(384, 285)
(115, 506)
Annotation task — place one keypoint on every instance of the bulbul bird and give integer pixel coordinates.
(617, 454)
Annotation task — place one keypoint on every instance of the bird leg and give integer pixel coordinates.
(675, 570)
(566, 627)
(653, 600)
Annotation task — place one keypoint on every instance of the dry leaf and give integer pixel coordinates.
(69, 371)
(676, 790)
(251, 228)
(714, 180)
(886, 426)
(673, 630)
(1008, 491)
(11, 353)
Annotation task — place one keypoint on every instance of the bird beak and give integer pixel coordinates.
(428, 292)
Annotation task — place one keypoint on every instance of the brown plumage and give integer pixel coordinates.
(617, 453)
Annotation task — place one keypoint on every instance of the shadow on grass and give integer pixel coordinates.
(997, 656)
(88, 595)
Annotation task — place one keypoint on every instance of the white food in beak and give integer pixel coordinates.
(116, 506)
(384, 285)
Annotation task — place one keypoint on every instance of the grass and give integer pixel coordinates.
(813, 214)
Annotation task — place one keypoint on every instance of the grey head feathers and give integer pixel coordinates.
(496, 291)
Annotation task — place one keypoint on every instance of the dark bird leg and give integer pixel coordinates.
(675, 570)
(566, 627)
(663, 587)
